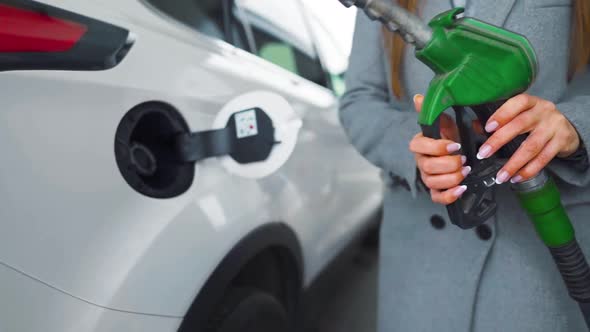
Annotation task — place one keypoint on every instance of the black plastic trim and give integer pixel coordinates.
(102, 47)
(194, 147)
(574, 269)
(270, 236)
(151, 127)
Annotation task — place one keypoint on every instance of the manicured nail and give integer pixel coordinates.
(484, 152)
(463, 160)
(453, 147)
(415, 97)
(493, 125)
(516, 179)
(502, 177)
(466, 170)
(459, 191)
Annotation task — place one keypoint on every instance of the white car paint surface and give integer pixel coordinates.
(80, 250)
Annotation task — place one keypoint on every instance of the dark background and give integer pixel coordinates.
(343, 298)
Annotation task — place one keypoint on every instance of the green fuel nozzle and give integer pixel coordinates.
(477, 67)
(396, 19)
(474, 62)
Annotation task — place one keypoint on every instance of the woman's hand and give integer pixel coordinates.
(441, 171)
(551, 135)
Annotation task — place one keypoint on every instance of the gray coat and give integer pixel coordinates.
(433, 275)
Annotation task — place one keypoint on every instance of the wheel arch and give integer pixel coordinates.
(277, 238)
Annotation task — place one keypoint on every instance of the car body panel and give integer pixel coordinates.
(34, 306)
(71, 221)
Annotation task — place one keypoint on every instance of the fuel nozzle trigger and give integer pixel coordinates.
(477, 204)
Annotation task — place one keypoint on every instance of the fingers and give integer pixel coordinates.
(447, 197)
(551, 135)
(438, 169)
(569, 136)
(512, 108)
(526, 153)
(521, 124)
(439, 165)
(445, 181)
(538, 163)
(433, 147)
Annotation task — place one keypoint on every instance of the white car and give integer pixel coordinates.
(115, 217)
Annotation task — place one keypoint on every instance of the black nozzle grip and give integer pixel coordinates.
(477, 204)
(455, 210)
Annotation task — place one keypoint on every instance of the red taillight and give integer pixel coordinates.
(28, 31)
(37, 36)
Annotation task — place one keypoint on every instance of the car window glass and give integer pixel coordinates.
(279, 53)
(282, 37)
(205, 16)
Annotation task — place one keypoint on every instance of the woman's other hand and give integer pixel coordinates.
(441, 170)
(550, 135)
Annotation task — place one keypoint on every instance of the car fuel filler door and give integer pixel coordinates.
(252, 136)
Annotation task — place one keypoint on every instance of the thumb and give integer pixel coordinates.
(418, 100)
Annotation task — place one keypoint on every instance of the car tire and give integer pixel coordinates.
(249, 310)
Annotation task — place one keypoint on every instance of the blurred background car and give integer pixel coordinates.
(84, 248)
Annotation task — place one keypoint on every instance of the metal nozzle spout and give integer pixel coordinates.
(348, 3)
(395, 18)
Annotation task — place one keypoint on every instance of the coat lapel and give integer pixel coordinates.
(493, 11)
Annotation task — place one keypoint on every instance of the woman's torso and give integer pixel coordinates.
(499, 277)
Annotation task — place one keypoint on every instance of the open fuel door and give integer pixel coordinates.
(252, 136)
(249, 161)
(36, 36)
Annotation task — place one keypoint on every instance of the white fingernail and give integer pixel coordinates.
(493, 125)
(502, 177)
(466, 170)
(484, 152)
(453, 147)
(459, 191)
(516, 179)
(463, 160)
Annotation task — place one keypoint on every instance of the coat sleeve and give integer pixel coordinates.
(379, 128)
(575, 105)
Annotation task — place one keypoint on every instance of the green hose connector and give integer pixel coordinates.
(543, 205)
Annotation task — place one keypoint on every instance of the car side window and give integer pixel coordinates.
(281, 36)
(211, 17)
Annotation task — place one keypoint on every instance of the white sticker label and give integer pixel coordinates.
(246, 125)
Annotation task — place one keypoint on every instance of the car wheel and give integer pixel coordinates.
(249, 310)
